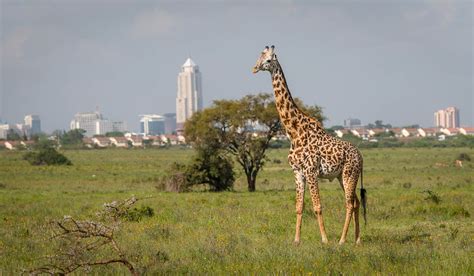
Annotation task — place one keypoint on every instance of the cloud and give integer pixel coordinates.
(153, 23)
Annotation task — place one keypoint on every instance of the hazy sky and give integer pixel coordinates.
(397, 61)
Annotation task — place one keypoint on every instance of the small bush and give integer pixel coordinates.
(137, 214)
(46, 156)
(209, 167)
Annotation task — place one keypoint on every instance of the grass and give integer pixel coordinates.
(419, 215)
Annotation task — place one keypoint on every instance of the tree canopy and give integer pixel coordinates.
(242, 128)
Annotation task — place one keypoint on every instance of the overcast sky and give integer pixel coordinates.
(397, 61)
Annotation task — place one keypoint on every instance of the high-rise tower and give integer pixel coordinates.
(189, 98)
(447, 118)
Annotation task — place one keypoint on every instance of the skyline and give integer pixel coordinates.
(396, 62)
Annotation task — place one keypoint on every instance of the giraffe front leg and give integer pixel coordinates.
(316, 199)
(299, 180)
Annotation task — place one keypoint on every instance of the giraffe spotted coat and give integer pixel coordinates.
(314, 153)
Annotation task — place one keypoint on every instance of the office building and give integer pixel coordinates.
(33, 124)
(170, 123)
(152, 124)
(447, 118)
(351, 122)
(189, 96)
(95, 124)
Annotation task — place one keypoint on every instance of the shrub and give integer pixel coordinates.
(46, 156)
(209, 166)
(213, 168)
(137, 214)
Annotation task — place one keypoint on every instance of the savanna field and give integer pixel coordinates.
(420, 215)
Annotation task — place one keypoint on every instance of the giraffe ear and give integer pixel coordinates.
(274, 57)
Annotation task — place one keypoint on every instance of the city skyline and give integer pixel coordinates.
(396, 62)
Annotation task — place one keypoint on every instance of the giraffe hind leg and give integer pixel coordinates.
(349, 183)
(356, 219)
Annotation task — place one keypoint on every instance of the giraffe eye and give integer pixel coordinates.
(268, 60)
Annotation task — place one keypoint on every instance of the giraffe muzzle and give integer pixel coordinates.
(255, 69)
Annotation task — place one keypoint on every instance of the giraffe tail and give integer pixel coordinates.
(363, 196)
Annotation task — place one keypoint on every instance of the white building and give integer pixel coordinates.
(94, 124)
(189, 98)
(152, 124)
(33, 123)
(4, 131)
(447, 118)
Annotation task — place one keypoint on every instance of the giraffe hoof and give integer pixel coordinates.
(341, 242)
(358, 241)
(325, 240)
(296, 243)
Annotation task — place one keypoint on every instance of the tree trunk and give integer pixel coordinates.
(251, 180)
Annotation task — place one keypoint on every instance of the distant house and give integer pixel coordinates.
(173, 139)
(339, 133)
(11, 145)
(101, 142)
(428, 132)
(87, 141)
(119, 142)
(137, 141)
(361, 133)
(449, 131)
(454, 131)
(156, 140)
(356, 133)
(410, 132)
(466, 130)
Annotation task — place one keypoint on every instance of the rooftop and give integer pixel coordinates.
(189, 63)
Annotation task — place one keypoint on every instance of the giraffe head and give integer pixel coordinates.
(266, 61)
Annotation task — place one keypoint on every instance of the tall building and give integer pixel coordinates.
(152, 124)
(86, 121)
(170, 122)
(33, 123)
(95, 124)
(447, 118)
(4, 128)
(189, 98)
(351, 122)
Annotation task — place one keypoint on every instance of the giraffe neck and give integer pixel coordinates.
(290, 115)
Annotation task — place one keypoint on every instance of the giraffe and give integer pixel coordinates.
(315, 154)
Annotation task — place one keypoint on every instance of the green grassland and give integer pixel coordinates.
(408, 232)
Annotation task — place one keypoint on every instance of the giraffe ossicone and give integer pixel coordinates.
(314, 153)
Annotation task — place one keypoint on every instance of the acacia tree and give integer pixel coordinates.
(243, 128)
